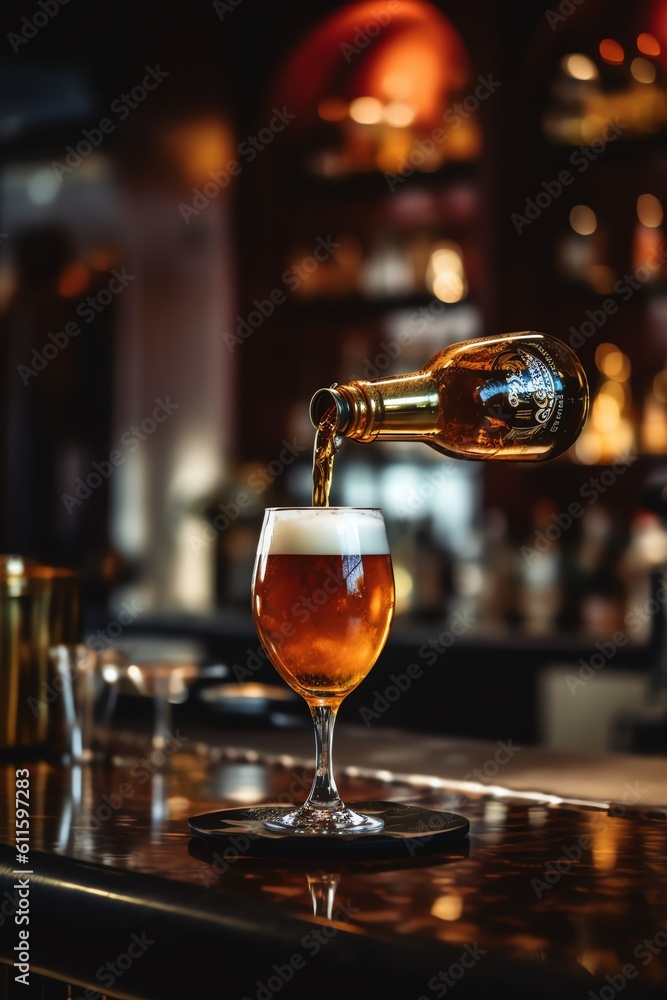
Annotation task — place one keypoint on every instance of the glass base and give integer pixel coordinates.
(325, 822)
(406, 833)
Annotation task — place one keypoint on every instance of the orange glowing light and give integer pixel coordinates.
(615, 365)
(601, 278)
(395, 147)
(332, 109)
(417, 56)
(445, 273)
(74, 280)
(611, 51)
(366, 110)
(654, 426)
(583, 220)
(397, 86)
(649, 211)
(643, 70)
(201, 147)
(399, 114)
(580, 66)
(102, 259)
(648, 44)
(601, 352)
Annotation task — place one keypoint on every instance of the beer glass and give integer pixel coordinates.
(323, 603)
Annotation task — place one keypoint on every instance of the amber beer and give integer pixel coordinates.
(323, 600)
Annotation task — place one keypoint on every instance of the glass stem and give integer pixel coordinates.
(323, 793)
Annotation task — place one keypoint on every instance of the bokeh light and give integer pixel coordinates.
(649, 211)
(583, 220)
(332, 109)
(643, 70)
(366, 110)
(580, 66)
(648, 44)
(611, 51)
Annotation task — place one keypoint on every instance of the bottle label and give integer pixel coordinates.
(531, 399)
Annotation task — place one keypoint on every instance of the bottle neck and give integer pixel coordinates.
(399, 408)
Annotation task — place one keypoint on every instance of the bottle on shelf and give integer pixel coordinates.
(514, 397)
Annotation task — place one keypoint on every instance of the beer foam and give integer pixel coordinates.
(327, 531)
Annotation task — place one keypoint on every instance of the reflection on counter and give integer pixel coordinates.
(553, 884)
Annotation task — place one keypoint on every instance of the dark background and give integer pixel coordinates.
(227, 70)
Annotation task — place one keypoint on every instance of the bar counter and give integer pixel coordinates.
(559, 890)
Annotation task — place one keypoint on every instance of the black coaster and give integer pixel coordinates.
(407, 830)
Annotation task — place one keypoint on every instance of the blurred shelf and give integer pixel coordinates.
(632, 148)
(375, 182)
(234, 629)
(360, 306)
(558, 644)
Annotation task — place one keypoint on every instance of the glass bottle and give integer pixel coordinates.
(515, 397)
